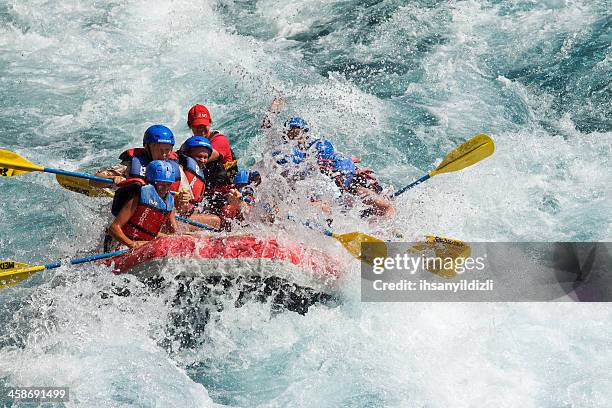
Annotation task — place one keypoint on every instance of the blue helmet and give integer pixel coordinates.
(242, 177)
(160, 170)
(196, 141)
(297, 123)
(343, 168)
(324, 148)
(158, 134)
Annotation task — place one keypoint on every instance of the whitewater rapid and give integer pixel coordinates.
(398, 84)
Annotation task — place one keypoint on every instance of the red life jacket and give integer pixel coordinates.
(150, 215)
(214, 134)
(196, 180)
(139, 159)
(230, 163)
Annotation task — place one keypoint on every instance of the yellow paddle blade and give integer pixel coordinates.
(12, 164)
(353, 241)
(12, 273)
(449, 254)
(231, 168)
(231, 164)
(471, 152)
(81, 186)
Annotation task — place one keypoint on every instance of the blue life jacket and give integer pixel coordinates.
(139, 159)
(196, 179)
(192, 165)
(150, 198)
(323, 146)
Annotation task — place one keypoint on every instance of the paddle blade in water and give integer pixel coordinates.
(449, 254)
(81, 186)
(471, 152)
(353, 242)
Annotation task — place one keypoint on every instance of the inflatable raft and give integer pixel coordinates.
(244, 257)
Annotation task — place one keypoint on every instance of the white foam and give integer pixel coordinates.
(124, 66)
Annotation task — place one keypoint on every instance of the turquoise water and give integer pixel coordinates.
(396, 83)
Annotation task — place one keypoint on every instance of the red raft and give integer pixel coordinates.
(245, 256)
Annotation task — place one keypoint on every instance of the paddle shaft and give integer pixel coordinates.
(77, 174)
(318, 228)
(331, 233)
(409, 186)
(309, 225)
(195, 223)
(90, 258)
